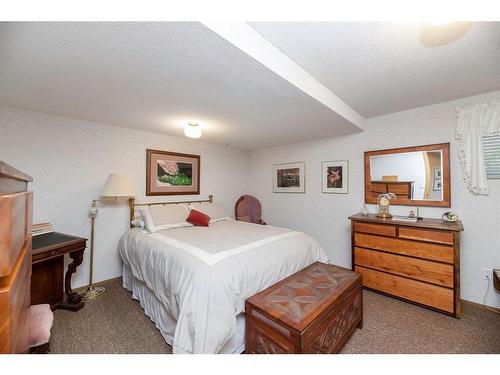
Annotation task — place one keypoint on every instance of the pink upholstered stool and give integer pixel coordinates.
(41, 319)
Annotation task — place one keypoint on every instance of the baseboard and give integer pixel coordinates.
(480, 305)
(83, 288)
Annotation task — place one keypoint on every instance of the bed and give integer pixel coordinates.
(193, 281)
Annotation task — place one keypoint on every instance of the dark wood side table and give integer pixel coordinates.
(48, 267)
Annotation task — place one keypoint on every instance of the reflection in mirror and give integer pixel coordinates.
(409, 175)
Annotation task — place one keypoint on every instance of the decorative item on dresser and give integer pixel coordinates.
(16, 205)
(384, 202)
(48, 265)
(315, 310)
(418, 262)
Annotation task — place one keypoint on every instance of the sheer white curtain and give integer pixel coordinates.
(472, 123)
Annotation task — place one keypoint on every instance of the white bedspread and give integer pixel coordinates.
(203, 275)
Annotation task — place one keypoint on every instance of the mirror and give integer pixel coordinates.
(418, 176)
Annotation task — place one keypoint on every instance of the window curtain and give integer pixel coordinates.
(472, 123)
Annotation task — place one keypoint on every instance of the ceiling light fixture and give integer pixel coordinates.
(192, 130)
(439, 22)
(436, 35)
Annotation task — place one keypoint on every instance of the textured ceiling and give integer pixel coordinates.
(151, 76)
(155, 76)
(379, 68)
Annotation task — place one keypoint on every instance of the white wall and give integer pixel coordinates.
(324, 216)
(70, 160)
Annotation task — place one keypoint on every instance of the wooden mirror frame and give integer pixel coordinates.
(444, 147)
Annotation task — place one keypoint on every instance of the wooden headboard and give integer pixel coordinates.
(133, 205)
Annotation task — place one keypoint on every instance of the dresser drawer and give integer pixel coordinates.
(15, 302)
(417, 249)
(419, 269)
(384, 230)
(47, 255)
(378, 188)
(413, 290)
(399, 189)
(429, 235)
(15, 228)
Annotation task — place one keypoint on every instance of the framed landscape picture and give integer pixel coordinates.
(335, 176)
(171, 173)
(289, 177)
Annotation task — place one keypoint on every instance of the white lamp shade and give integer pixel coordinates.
(117, 186)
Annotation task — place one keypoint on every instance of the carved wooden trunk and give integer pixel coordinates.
(315, 310)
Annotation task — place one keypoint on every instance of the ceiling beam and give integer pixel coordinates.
(247, 39)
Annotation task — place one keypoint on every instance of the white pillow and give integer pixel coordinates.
(216, 211)
(138, 223)
(160, 217)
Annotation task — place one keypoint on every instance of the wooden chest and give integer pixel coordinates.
(315, 310)
(418, 262)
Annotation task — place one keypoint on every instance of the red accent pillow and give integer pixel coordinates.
(198, 218)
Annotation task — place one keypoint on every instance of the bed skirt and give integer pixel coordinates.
(165, 322)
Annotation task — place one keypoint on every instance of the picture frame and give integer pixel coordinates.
(437, 173)
(438, 185)
(289, 177)
(172, 173)
(335, 177)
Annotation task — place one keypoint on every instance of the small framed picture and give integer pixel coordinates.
(289, 177)
(437, 173)
(172, 173)
(335, 176)
(438, 185)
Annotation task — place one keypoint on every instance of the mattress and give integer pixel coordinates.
(201, 276)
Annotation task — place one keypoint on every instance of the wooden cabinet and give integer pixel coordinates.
(417, 262)
(15, 260)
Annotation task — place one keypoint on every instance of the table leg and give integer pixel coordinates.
(73, 300)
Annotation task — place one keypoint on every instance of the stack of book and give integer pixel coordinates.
(41, 228)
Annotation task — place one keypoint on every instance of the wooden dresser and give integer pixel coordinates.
(15, 260)
(417, 262)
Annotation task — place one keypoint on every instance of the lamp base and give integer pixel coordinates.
(92, 292)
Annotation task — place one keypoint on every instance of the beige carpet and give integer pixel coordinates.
(114, 323)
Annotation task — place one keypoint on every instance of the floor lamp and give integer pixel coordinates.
(116, 186)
